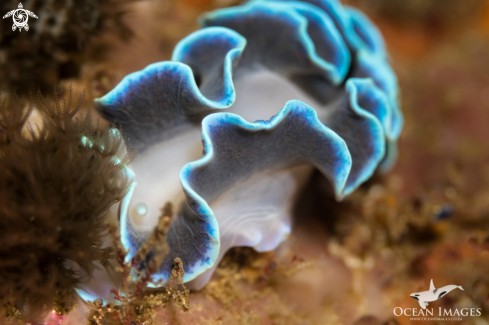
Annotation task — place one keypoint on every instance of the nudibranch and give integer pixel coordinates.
(326, 63)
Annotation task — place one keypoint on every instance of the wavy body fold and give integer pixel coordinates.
(333, 53)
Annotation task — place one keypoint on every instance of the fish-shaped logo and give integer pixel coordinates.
(433, 294)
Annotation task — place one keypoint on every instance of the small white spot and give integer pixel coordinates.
(141, 209)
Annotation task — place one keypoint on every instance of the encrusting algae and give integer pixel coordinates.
(134, 304)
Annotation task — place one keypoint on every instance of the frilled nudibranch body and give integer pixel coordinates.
(251, 60)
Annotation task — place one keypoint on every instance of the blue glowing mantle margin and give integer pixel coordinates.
(333, 53)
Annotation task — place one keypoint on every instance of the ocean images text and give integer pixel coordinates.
(398, 311)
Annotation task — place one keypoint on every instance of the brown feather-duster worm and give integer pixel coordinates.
(57, 182)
